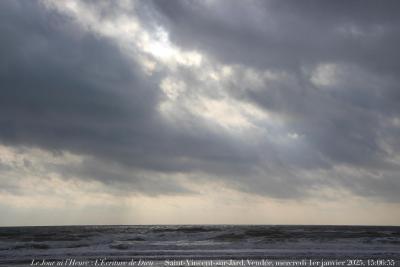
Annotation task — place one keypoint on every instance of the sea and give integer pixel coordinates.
(200, 245)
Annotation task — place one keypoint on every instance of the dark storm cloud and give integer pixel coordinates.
(343, 123)
(64, 88)
(276, 34)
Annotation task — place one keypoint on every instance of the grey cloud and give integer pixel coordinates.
(64, 88)
(120, 179)
(342, 124)
(272, 34)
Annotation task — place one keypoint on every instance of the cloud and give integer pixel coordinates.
(340, 117)
(269, 98)
(271, 34)
(66, 88)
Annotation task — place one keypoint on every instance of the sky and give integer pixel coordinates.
(199, 112)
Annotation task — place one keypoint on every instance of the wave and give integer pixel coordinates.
(202, 241)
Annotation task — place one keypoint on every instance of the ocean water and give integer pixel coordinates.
(200, 245)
